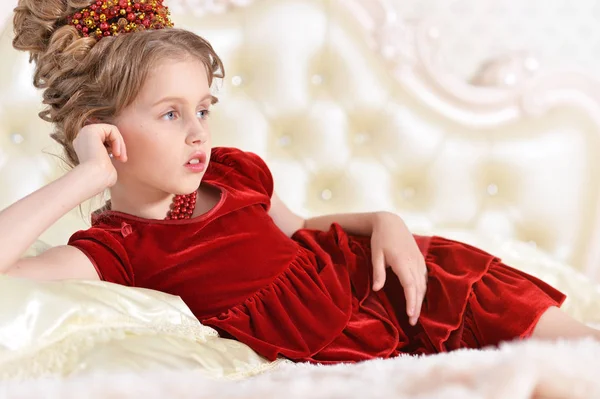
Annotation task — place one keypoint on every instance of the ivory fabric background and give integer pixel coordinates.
(455, 114)
(559, 33)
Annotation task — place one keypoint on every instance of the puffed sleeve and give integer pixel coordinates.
(250, 167)
(106, 253)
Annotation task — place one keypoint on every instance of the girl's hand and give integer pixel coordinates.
(393, 245)
(96, 144)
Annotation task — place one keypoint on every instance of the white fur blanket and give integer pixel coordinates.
(517, 370)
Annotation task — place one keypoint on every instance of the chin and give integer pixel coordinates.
(185, 189)
(190, 189)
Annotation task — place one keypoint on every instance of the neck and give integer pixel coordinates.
(145, 203)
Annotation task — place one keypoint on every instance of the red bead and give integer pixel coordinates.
(93, 7)
(182, 207)
(129, 9)
(81, 28)
(99, 3)
(86, 14)
(96, 18)
(123, 3)
(78, 15)
(146, 23)
(106, 33)
(85, 29)
(104, 26)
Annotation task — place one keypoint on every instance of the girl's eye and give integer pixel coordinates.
(204, 113)
(169, 115)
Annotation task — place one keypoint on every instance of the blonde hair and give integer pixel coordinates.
(84, 79)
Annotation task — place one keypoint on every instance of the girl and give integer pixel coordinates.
(129, 97)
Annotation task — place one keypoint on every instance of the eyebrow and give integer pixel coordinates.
(213, 99)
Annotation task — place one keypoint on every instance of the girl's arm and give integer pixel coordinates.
(392, 245)
(353, 223)
(24, 221)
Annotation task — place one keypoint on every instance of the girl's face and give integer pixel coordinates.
(166, 127)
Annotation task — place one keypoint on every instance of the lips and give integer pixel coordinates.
(199, 157)
(197, 162)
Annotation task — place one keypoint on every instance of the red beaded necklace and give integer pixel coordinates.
(182, 206)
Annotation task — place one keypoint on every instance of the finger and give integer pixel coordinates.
(420, 283)
(114, 142)
(117, 148)
(410, 287)
(378, 269)
(123, 150)
(421, 275)
(424, 277)
(120, 146)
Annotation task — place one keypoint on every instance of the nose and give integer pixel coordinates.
(197, 131)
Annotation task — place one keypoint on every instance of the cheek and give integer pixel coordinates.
(139, 137)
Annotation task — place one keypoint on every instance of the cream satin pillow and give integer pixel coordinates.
(76, 327)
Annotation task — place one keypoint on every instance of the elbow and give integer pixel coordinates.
(300, 224)
(305, 223)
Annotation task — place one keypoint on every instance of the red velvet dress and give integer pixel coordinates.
(309, 297)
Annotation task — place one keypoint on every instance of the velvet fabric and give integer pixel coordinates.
(308, 297)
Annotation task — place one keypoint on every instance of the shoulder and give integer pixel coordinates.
(105, 249)
(237, 158)
(235, 164)
(100, 232)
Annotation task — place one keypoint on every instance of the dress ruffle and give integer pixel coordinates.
(322, 308)
(473, 300)
(296, 315)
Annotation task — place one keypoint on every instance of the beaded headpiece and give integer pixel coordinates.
(113, 17)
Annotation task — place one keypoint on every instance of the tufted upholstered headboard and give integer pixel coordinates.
(347, 104)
